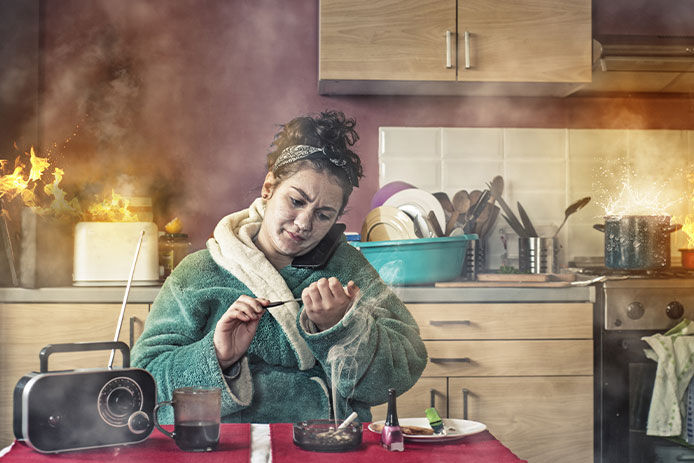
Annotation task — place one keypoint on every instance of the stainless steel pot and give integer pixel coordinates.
(637, 242)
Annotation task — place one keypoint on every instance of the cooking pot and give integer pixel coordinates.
(637, 242)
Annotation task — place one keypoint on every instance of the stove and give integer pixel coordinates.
(630, 306)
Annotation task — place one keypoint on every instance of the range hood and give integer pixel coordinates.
(642, 63)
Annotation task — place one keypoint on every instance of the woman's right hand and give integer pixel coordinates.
(235, 330)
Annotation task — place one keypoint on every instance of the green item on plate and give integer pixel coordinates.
(434, 420)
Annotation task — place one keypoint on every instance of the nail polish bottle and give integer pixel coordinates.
(391, 436)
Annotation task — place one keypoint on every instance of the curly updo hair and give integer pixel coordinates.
(330, 131)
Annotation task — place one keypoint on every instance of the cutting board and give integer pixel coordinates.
(513, 280)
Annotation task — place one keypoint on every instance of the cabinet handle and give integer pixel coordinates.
(467, 50)
(450, 359)
(432, 398)
(466, 392)
(449, 49)
(449, 322)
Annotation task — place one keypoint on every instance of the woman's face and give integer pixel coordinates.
(299, 212)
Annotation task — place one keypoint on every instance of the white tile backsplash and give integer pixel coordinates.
(544, 169)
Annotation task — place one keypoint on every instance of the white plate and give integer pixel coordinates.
(455, 429)
(421, 199)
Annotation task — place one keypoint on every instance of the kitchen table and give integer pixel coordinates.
(262, 443)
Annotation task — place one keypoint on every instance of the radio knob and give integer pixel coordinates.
(674, 310)
(635, 310)
(139, 422)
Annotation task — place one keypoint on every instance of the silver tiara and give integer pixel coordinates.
(298, 152)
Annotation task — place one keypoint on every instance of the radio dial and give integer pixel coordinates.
(674, 310)
(138, 422)
(635, 310)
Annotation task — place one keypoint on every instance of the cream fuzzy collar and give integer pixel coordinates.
(232, 248)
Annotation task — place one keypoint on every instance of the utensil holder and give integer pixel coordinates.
(537, 255)
(475, 258)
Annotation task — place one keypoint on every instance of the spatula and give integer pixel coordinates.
(576, 206)
(527, 223)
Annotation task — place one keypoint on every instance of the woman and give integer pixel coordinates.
(337, 351)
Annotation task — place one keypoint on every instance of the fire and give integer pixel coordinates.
(43, 194)
(114, 209)
(688, 226)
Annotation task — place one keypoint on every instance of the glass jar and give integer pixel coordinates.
(173, 247)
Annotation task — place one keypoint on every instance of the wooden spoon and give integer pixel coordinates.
(461, 204)
(571, 209)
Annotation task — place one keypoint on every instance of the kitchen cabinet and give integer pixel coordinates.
(529, 47)
(523, 369)
(25, 328)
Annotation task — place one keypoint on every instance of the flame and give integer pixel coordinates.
(114, 209)
(688, 226)
(43, 194)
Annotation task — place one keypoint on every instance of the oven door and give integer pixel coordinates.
(627, 386)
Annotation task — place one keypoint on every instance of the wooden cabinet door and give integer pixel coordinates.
(541, 419)
(412, 403)
(26, 328)
(386, 40)
(524, 41)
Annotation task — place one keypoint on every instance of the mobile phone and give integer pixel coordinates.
(319, 256)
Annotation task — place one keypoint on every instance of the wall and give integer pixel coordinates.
(625, 171)
(181, 100)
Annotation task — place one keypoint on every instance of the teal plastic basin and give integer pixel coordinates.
(417, 261)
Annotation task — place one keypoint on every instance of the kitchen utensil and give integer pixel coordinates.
(445, 201)
(102, 250)
(527, 223)
(461, 204)
(424, 200)
(7, 244)
(388, 190)
(475, 211)
(197, 415)
(321, 436)
(511, 218)
(387, 223)
(418, 261)
(637, 242)
(435, 224)
(276, 303)
(496, 187)
(537, 255)
(574, 207)
(421, 226)
(489, 223)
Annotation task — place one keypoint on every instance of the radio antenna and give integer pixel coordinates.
(125, 297)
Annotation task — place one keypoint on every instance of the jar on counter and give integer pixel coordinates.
(173, 247)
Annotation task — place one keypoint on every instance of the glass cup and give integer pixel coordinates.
(197, 414)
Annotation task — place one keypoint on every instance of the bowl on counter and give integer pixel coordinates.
(323, 436)
(417, 261)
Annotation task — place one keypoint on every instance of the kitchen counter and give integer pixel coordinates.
(409, 294)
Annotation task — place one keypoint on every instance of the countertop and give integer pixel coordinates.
(409, 294)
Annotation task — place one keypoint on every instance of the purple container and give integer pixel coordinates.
(388, 190)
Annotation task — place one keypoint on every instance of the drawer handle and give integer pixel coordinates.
(450, 359)
(432, 398)
(449, 322)
(466, 392)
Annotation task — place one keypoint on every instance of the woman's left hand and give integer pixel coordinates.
(326, 301)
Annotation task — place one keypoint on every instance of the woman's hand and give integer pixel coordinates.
(235, 330)
(326, 301)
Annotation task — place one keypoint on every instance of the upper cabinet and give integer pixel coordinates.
(527, 47)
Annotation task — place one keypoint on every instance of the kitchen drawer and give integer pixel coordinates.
(509, 358)
(541, 419)
(26, 328)
(412, 403)
(504, 321)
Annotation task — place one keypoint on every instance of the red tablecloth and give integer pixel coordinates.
(477, 448)
(234, 445)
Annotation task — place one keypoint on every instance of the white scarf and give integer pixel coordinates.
(232, 248)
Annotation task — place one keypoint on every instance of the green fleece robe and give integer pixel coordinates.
(291, 371)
